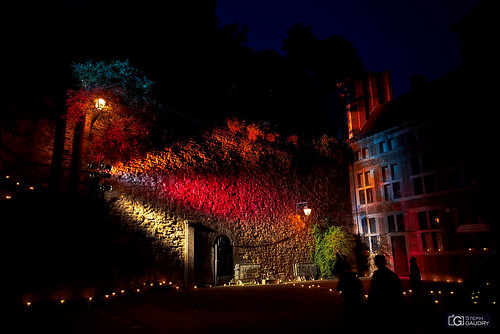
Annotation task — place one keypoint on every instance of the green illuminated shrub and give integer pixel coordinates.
(328, 242)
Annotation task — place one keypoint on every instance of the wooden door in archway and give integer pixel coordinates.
(223, 259)
(400, 256)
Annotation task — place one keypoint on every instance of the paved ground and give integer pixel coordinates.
(308, 307)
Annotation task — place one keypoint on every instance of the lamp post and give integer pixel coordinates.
(99, 105)
(102, 170)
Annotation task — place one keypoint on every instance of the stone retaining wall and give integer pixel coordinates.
(256, 214)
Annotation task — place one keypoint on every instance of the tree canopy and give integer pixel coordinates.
(292, 91)
(120, 128)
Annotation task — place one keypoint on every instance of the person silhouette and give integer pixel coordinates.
(351, 290)
(415, 279)
(386, 296)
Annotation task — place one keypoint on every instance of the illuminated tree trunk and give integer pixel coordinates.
(76, 157)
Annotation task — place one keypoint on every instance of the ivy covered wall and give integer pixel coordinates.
(241, 180)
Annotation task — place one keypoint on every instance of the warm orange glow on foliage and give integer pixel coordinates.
(115, 105)
(115, 129)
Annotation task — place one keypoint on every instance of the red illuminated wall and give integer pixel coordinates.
(245, 174)
(243, 181)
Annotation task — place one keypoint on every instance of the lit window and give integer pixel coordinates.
(368, 179)
(430, 223)
(365, 188)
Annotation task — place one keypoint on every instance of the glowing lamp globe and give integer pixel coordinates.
(99, 104)
(307, 211)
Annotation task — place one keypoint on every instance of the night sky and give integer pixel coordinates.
(406, 37)
(173, 42)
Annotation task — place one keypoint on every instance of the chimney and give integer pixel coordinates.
(364, 95)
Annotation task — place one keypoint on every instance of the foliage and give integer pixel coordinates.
(328, 242)
(118, 76)
(247, 172)
(291, 91)
(328, 60)
(121, 129)
(239, 145)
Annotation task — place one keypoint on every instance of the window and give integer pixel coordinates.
(364, 152)
(476, 240)
(470, 214)
(415, 165)
(392, 191)
(374, 243)
(387, 145)
(429, 183)
(432, 241)
(426, 162)
(418, 187)
(387, 192)
(369, 233)
(386, 174)
(391, 144)
(430, 221)
(368, 179)
(396, 190)
(368, 226)
(422, 220)
(383, 147)
(395, 172)
(395, 223)
(365, 188)
(434, 219)
(423, 176)
(369, 195)
(460, 172)
(390, 177)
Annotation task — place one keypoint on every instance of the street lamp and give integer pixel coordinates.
(303, 206)
(102, 170)
(307, 211)
(99, 104)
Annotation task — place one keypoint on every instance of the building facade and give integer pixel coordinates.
(418, 190)
(419, 179)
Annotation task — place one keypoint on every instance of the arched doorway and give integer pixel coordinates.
(223, 260)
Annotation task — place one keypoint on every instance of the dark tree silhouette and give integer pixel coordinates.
(313, 67)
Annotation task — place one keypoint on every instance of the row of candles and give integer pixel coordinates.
(433, 294)
(19, 187)
(108, 296)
